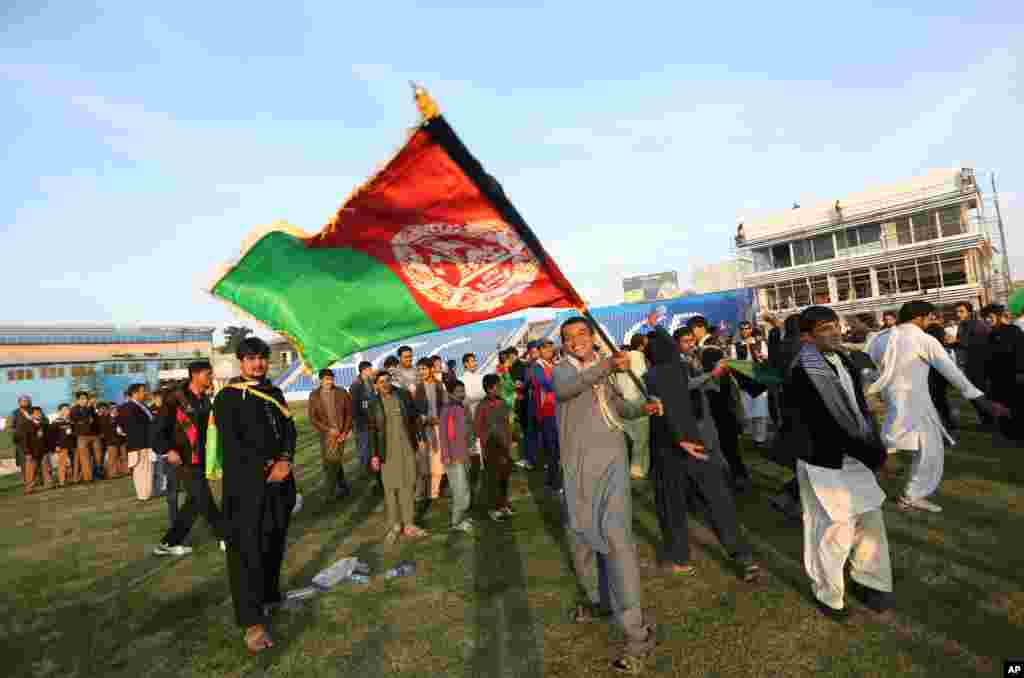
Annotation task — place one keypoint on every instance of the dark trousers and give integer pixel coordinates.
(724, 414)
(680, 475)
(937, 388)
(257, 535)
(199, 502)
(498, 468)
(548, 433)
(172, 494)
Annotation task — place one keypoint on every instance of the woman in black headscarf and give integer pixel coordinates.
(682, 464)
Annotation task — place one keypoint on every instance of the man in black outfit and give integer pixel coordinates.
(972, 353)
(723, 403)
(258, 437)
(180, 437)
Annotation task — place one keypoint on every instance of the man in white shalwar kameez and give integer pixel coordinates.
(755, 408)
(837, 447)
(904, 356)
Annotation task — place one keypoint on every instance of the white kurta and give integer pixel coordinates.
(843, 520)
(904, 355)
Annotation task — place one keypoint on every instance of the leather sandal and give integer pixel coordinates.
(257, 639)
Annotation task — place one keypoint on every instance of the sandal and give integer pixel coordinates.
(680, 570)
(587, 612)
(628, 664)
(415, 532)
(257, 639)
(393, 534)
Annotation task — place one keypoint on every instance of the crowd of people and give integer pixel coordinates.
(588, 416)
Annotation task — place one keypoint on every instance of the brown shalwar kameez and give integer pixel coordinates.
(392, 434)
(597, 490)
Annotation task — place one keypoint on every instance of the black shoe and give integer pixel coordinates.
(741, 483)
(875, 600)
(832, 613)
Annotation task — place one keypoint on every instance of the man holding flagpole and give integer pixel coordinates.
(597, 486)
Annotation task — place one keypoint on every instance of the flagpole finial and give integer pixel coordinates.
(425, 103)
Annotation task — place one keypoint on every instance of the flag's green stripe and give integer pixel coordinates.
(333, 302)
(769, 376)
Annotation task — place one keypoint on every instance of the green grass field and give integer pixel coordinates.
(81, 596)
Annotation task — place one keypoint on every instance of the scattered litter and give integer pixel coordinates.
(406, 568)
(344, 569)
(357, 578)
(302, 594)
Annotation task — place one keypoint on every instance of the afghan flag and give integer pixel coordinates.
(754, 378)
(428, 243)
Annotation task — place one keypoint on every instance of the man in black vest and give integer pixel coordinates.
(258, 436)
(180, 438)
(723, 403)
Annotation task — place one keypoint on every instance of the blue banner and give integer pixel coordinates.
(723, 311)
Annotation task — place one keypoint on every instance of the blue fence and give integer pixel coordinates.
(482, 339)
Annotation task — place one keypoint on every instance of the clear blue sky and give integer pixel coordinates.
(141, 147)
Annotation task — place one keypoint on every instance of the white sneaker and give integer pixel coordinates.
(497, 516)
(921, 504)
(298, 504)
(464, 527)
(165, 550)
(223, 546)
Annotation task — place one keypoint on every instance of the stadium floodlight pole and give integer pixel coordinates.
(442, 133)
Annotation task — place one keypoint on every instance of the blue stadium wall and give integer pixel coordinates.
(724, 310)
(482, 339)
(49, 393)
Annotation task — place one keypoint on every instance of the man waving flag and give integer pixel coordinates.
(428, 243)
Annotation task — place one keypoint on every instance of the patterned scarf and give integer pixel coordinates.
(600, 394)
(828, 385)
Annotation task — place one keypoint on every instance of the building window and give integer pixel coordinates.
(824, 248)
(771, 298)
(801, 292)
(928, 274)
(847, 240)
(886, 282)
(906, 276)
(925, 226)
(781, 257)
(819, 290)
(762, 260)
(954, 270)
(11, 375)
(950, 221)
(861, 283)
(801, 252)
(844, 287)
(904, 236)
(870, 237)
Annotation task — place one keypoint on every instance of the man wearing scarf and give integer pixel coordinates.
(838, 450)
(597, 487)
(905, 355)
(258, 437)
(180, 437)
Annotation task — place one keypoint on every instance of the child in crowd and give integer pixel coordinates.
(456, 439)
(62, 441)
(493, 427)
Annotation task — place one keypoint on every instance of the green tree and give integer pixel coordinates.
(233, 335)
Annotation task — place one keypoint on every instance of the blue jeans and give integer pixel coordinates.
(458, 481)
(363, 446)
(548, 435)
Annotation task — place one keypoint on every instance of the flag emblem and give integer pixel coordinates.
(473, 267)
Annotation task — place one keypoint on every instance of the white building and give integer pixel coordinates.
(926, 238)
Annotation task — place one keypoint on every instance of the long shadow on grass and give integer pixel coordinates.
(506, 641)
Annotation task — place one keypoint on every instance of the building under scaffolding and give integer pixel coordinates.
(928, 238)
